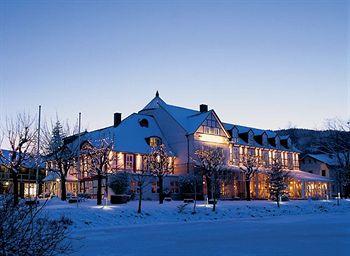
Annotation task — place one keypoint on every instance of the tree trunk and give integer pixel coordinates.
(247, 189)
(15, 188)
(209, 187)
(140, 200)
(99, 188)
(213, 189)
(278, 200)
(63, 188)
(161, 197)
(195, 195)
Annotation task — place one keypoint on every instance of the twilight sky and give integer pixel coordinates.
(262, 64)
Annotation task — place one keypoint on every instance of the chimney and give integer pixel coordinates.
(203, 108)
(117, 119)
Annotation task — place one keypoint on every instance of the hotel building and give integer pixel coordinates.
(183, 131)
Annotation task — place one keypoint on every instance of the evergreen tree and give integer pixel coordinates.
(278, 180)
(61, 155)
(56, 141)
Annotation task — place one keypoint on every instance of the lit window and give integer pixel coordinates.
(155, 187)
(174, 187)
(216, 131)
(154, 141)
(129, 162)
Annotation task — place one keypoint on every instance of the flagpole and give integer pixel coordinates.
(37, 157)
(78, 163)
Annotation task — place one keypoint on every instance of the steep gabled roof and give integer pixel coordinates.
(188, 119)
(128, 136)
(156, 102)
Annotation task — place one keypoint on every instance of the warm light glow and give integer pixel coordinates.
(120, 160)
(212, 138)
(138, 162)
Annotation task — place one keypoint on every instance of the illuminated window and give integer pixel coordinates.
(216, 131)
(154, 141)
(129, 162)
(211, 126)
(155, 187)
(174, 187)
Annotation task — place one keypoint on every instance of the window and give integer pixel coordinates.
(323, 172)
(211, 126)
(216, 131)
(133, 186)
(154, 141)
(129, 162)
(143, 122)
(174, 187)
(155, 187)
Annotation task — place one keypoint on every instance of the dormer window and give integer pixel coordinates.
(154, 141)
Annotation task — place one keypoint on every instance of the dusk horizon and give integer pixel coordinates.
(174, 127)
(267, 65)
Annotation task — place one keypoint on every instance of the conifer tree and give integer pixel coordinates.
(278, 180)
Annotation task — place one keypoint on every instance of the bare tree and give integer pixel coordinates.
(250, 166)
(100, 154)
(20, 135)
(211, 163)
(60, 152)
(278, 181)
(160, 166)
(143, 179)
(337, 145)
(26, 230)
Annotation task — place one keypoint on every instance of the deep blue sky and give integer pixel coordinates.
(257, 63)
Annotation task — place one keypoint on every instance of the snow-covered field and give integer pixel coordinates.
(237, 228)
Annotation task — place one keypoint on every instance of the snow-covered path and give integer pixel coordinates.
(319, 234)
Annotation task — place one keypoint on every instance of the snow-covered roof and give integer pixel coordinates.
(29, 161)
(188, 119)
(306, 176)
(298, 175)
(53, 176)
(128, 136)
(244, 129)
(325, 158)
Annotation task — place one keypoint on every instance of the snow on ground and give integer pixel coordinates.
(322, 234)
(88, 215)
(237, 228)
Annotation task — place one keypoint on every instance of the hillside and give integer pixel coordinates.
(308, 141)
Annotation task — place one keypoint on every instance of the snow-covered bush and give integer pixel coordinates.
(120, 183)
(26, 230)
(187, 185)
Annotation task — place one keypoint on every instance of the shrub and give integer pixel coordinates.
(120, 183)
(186, 185)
